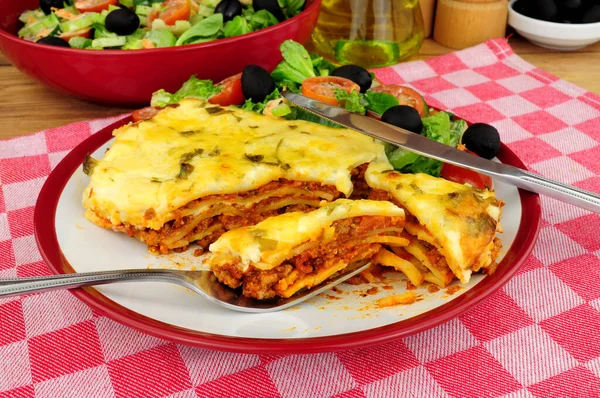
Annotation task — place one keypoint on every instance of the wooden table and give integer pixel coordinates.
(28, 107)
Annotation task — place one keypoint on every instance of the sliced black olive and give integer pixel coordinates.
(257, 83)
(355, 73)
(270, 5)
(54, 41)
(403, 116)
(482, 139)
(46, 5)
(122, 21)
(229, 8)
(546, 10)
(592, 15)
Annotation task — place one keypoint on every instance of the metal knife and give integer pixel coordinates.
(434, 150)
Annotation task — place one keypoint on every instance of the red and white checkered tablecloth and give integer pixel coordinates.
(537, 337)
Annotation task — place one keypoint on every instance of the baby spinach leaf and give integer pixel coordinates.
(208, 27)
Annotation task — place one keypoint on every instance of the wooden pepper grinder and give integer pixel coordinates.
(428, 10)
(465, 23)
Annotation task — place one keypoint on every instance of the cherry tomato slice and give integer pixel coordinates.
(405, 95)
(87, 33)
(144, 114)
(231, 92)
(173, 11)
(322, 88)
(93, 5)
(464, 176)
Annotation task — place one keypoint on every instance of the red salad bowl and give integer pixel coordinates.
(128, 77)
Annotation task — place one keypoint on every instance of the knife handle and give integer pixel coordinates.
(554, 189)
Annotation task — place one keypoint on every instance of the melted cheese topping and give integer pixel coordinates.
(268, 243)
(195, 150)
(461, 220)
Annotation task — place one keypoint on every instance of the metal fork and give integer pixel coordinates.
(203, 283)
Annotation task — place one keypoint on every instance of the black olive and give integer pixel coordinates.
(569, 11)
(520, 6)
(571, 4)
(122, 21)
(54, 41)
(482, 139)
(46, 5)
(546, 10)
(403, 116)
(524, 7)
(592, 15)
(270, 5)
(357, 74)
(257, 83)
(229, 8)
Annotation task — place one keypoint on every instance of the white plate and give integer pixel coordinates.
(88, 248)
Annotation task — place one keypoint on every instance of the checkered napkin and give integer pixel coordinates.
(538, 336)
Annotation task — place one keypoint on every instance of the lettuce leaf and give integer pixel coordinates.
(193, 88)
(437, 127)
(297, 64)
(353, 102)
(380, 102)
(259, 107)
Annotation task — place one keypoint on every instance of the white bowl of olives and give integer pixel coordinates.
(556, 24)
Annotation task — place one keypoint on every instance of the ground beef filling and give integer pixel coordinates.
(236, 216)
(232, 216)
(348, 247)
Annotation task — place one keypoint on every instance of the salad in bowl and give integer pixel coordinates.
(144, 24)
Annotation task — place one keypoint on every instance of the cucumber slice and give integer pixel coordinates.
(29, 17)
(133, 43)
(100, 32)
(107, 42)
(79, 42)
(143, 10)
(180, 27)
(138, 34)
(281, 110)
(205, 11)
(81, 22)
(161, 38)
(48, 22)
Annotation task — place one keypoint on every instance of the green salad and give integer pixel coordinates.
(139, 24)
(299, 72)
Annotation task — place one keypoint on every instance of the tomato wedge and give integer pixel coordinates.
(172, 11)
(405, 95)
(463, 176)
(322, 88)
(86, 32)
(231, 92)
(144, 114)
(93, 5)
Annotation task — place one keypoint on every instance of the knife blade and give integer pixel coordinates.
(424, 146)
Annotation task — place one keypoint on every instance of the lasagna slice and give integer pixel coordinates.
(196, 170)
(451, 227)
(284, 254)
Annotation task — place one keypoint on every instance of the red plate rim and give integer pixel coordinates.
(47, 241)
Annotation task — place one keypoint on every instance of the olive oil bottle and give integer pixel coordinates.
(369, 33)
